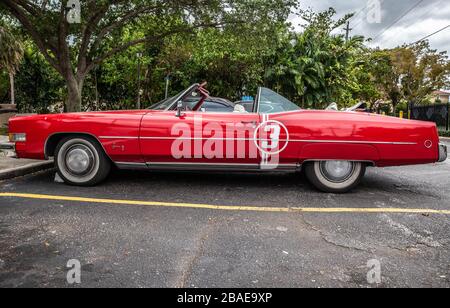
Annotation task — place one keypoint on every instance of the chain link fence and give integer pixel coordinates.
(438, 114)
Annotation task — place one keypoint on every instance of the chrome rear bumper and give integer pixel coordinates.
(9, 149)
(442, 152)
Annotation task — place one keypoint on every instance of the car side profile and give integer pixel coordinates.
(192, 131)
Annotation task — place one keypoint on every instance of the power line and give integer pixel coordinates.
(364, 8)
(430, 35)
(398, 19)
(348, 29)
(360, 11)
(357, 14)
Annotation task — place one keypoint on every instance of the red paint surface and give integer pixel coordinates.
(362, 135)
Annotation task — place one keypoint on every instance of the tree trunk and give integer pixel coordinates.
(74, 97)
(13, 94)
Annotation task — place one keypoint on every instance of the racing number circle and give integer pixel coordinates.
(272, 130)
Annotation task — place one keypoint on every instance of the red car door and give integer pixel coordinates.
(197, 140)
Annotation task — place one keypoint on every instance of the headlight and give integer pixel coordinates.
(17, 137)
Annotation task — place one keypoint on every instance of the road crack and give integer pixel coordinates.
(422, 240)
(333, 242)
(198, 251)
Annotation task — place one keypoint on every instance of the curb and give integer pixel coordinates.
(445, 138)
(24, 170)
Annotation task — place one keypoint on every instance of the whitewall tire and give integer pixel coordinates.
(81, 161)
(335, 176)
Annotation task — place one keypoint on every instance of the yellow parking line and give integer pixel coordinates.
(227, 207)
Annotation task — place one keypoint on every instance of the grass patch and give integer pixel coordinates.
(3, 131)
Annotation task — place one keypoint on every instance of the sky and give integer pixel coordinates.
(426, 17)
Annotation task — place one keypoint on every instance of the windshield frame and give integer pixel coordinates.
(257, 105)
(175, 99)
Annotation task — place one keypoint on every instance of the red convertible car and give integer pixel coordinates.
(192, 131)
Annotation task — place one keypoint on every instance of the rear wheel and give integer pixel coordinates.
(81, 161)
(335, 176)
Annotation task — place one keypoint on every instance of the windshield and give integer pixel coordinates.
(268, 101)
(165, 104)
(272, 102)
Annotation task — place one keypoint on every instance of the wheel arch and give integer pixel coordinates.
(54, 139)
(365, 153)
(368, 163)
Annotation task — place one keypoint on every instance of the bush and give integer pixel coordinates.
(444, 133)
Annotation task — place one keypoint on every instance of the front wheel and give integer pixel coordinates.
(81, 161)
(335, 176)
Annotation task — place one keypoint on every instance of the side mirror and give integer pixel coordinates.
(179, 113)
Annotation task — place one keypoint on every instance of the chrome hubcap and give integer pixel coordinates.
(79, 160)
(337, 171)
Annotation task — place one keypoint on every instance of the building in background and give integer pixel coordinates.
(441, 97)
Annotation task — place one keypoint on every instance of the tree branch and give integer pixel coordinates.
(63, 48)
(29, 7)
(43, 46)
(87, 34)
(129, 44)
(126, 17)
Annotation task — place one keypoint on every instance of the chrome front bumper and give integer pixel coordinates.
(442, 152)
(8, 149)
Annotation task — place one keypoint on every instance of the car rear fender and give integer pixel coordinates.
(354, 152)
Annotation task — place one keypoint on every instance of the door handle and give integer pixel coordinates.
(249, 122)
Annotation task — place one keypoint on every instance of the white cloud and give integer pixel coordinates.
(428, 17)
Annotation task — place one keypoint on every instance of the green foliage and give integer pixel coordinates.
(232, 64)
(315, 67)
(402, 106)
(421, 71)
(39, 86)
(110, 27)
(234, 45)
(444, 133)
(11, 50)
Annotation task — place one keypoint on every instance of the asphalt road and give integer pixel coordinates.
(158, 246)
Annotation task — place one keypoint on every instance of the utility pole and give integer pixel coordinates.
(347, 31)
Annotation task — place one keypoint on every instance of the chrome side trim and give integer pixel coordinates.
(205, 166)
(443, 153)
(353, 160)
(283, 140)
(128, 165)
(196, 138)
(357, 142)
(117, 137)
(201, 166)
(217, 166)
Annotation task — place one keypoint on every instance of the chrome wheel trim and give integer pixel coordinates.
(79, 160)
(337, 171)
(356, 172)
(69, 174)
